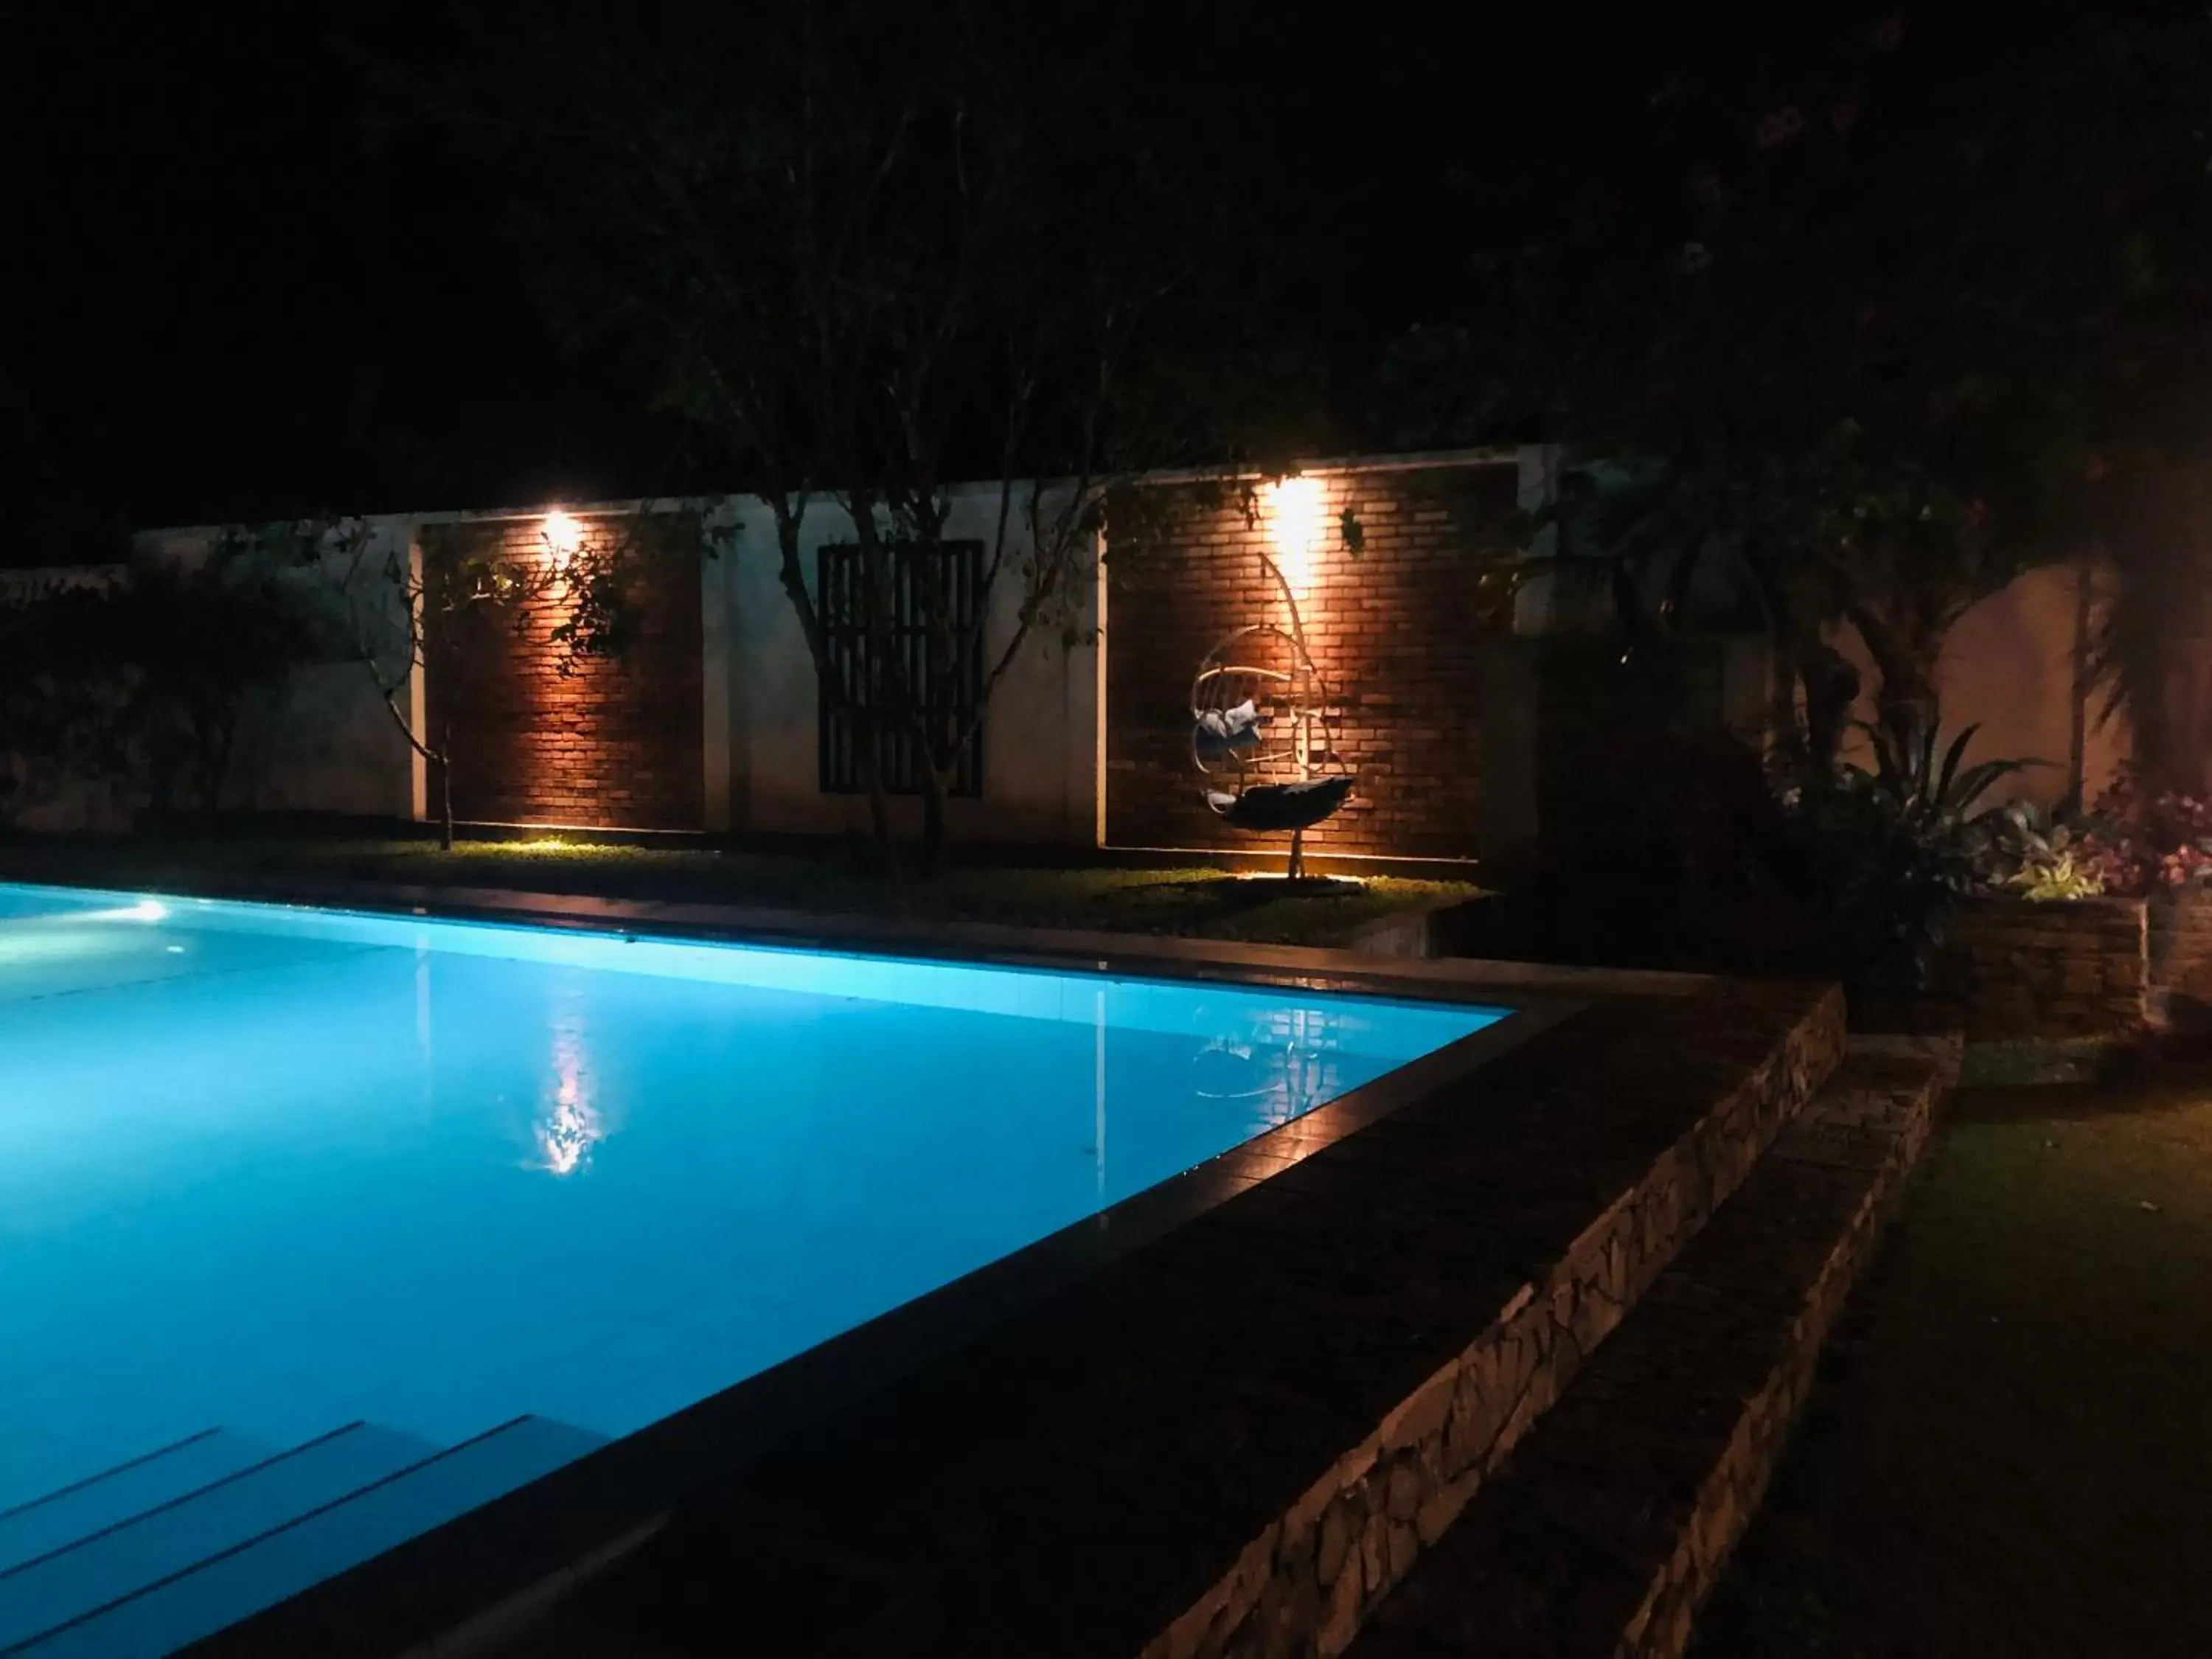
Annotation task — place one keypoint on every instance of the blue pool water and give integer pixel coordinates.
(295, 1202)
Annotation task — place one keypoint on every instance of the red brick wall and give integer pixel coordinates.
(1392, 628)
(619, 743)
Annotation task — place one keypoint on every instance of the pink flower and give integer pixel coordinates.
(2098, 469)
(1889, 34)
(1977, 513)
(1843, 115)
(1780, 127)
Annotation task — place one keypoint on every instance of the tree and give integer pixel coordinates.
(1859, 321)
(205, 638)
(62, 697)
(144, 674)
(2149, 658)
(419, 607)
(894, 260)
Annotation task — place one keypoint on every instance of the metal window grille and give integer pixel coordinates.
(946, 579)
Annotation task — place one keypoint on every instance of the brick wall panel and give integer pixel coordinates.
(618, 743)
(1393, 631)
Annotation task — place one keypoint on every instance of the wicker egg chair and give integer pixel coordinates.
(1263, 729)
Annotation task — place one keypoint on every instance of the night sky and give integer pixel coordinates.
(259, 286)
(260, 272)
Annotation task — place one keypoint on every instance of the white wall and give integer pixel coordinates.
(322, 743)
(325, 742)
(1040, 733)
(69, 804)
(2007, 666)
(328, 744)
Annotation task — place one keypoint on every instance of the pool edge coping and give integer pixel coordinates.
(1003, 943)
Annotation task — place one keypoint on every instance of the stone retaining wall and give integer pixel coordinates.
(1609, 1526)
(2181, 946)
(616, 741)
(2013, 969)
(1878, 1135)
(1305, 1584)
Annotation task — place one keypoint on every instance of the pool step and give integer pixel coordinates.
(90, 1505)
(1602, 1533)
(115, 1559)
(200, 1562)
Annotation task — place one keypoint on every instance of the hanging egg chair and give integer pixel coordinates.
(1263, 732)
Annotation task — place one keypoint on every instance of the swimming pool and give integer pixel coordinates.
(318, 1228)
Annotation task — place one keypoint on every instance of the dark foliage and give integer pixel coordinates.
(1892, 851)
(1877, 325)
(145, 677)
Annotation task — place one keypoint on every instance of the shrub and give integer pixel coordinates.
(2046, 860)
(2059, 879)
(2137, 842)
(1894, 850)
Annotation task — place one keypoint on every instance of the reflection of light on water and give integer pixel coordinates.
(1284, 1065)
(144, 910)
(1098, 1094)
(567, 1133)
(422, 1005)
(61, 935)
(1297, 1087)
(572, 1123)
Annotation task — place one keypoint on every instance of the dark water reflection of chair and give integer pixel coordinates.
(1289, 1080)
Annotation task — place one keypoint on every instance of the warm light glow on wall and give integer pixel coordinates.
(1298, 525)
(564, 534)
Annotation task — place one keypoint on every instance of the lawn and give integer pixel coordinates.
(1180, 901)
(2011, 1451)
